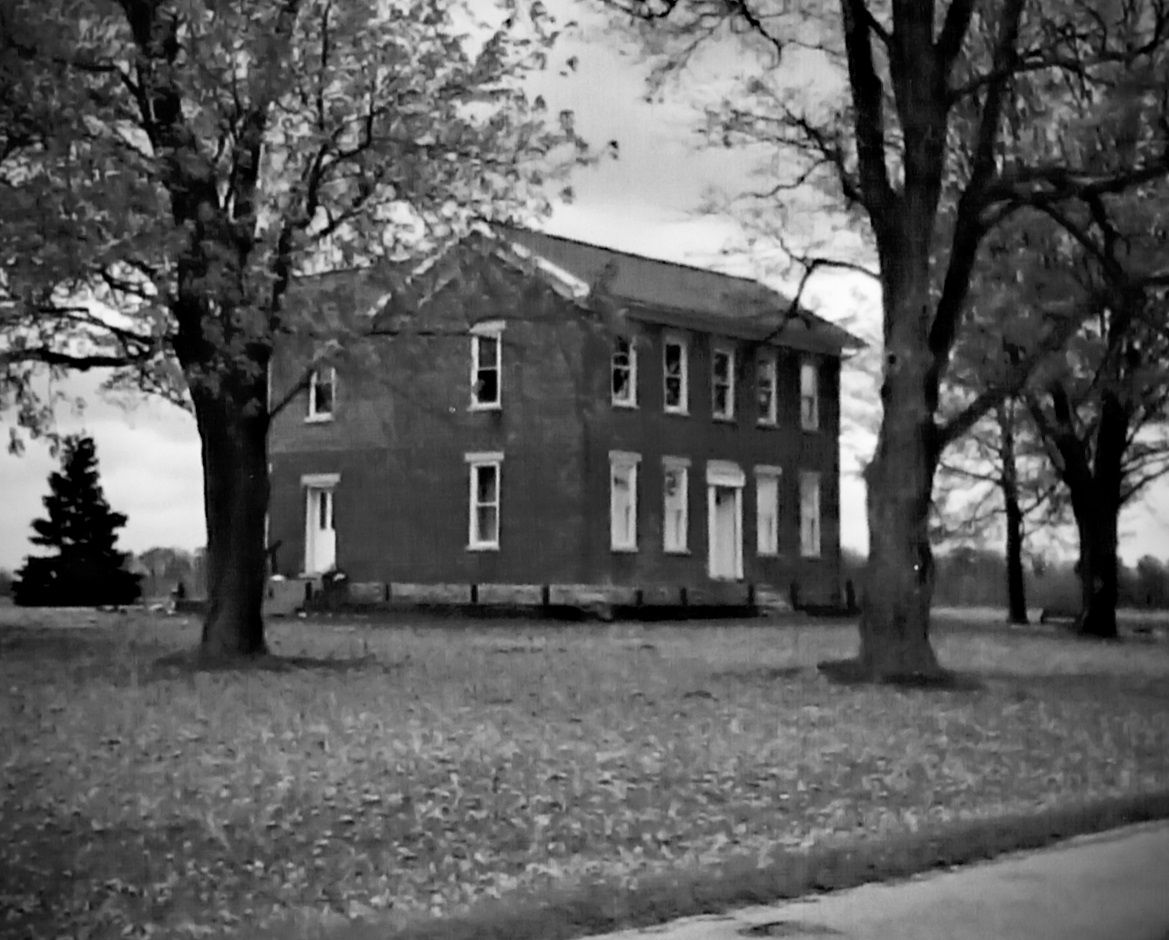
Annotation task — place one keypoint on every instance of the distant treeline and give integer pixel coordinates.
(972, 577)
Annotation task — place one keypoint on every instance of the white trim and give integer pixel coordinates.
(564, 282)
(483, 456)
(488, 327)
(768, 470)
(767, 357)
(727, 349)
(725, 473)
(671, 337)
(624, 457)
(680, 466)
(631, 401)
(476, 461)
(320, 480)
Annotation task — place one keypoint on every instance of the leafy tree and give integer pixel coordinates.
(87, 569)
(1152, 583)
(919, 148)
(171, 167)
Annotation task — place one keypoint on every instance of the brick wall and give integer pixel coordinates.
(402, 427)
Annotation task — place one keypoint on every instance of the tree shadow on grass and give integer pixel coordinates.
(189, 662)
(851, 672)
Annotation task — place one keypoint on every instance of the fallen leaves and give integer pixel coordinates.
(191, 805)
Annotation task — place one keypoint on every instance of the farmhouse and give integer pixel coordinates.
(550, 421)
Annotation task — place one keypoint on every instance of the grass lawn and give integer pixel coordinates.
(562, 778)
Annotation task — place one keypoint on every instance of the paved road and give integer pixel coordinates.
(1112, 886)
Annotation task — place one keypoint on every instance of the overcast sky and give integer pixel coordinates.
(645, 202)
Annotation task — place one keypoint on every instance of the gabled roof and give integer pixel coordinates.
(682, 295)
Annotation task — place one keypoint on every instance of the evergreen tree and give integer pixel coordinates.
(87, 570)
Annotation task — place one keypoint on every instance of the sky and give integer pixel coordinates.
(646, 202)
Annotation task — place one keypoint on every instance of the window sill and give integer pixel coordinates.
(766, 423)
(771, 555)
(485, 406)
(811, 557)
(723, 419)
(318, 419)
(677, 412)
(484, 547)
(627, 405)
(623, 549)
(681, 552)
(808, 430)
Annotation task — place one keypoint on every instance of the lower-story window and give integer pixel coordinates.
(623, 500)
(675, 503)
(484, 501)
(810, 515)
(767, 510)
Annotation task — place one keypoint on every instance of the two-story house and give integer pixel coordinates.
(558, 417)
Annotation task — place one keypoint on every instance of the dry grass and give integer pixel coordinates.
(411, 772)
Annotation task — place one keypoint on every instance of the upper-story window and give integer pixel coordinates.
(624, 387)
(676, 374)
(809, 396)
(487, 365)
(767, 387)
(322, 398)
(722, 383)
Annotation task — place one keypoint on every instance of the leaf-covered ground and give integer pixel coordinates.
(412, 771)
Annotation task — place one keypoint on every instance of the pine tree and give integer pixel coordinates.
(87, 570)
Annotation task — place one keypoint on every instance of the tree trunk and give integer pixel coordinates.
(1098, 576)
(235, 497)
(1016, 585)
(899, 574)
(894, 625)
(1009, 483)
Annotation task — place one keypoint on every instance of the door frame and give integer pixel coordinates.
(728, 475)
(317, 483)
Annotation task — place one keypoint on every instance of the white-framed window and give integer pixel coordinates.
(484, 503)
(624, 372)
(487, 365)
(322, 394)
(767, 510)
(623, 500)
(722, 383)
(810, 515)
(675, 504)
(809, 396)
(675, 374)
(767, 387)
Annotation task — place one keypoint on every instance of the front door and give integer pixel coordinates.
(320, 544)
(725, 530)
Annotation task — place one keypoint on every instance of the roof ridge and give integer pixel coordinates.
(631, 254)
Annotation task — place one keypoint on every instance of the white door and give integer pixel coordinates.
(725, 532)
(320, 544)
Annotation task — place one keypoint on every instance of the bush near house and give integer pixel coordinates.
(527, 781)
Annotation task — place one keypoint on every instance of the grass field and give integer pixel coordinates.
(400, 775)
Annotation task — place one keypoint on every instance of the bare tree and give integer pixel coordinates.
(919, 148)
